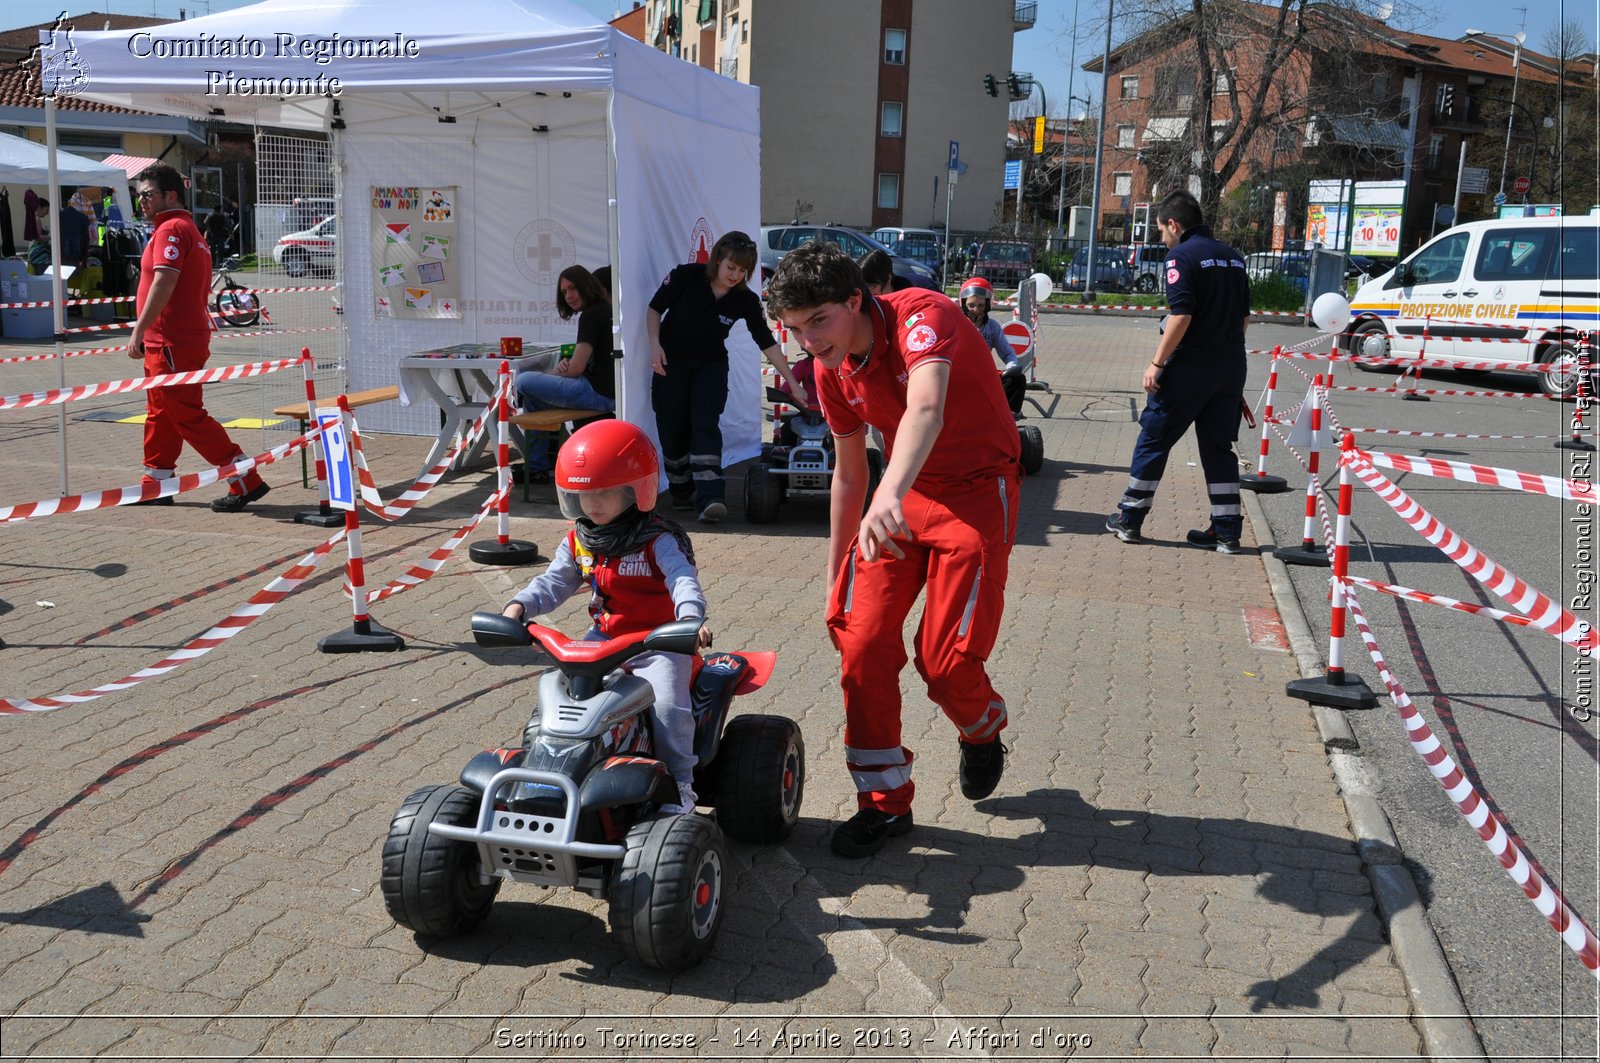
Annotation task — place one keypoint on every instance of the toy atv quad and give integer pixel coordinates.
(797, 463)
(577, 805)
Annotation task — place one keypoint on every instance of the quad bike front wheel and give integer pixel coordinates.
(762, 495)
(1032, 448)
(667, 903)
(433, 885)
(761, 778)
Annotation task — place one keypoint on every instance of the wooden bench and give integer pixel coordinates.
(552, 421)
(299, 412)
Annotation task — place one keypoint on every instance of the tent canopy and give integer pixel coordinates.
(22, 162)
(567, 143)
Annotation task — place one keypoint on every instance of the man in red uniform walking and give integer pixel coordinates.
(173, 335)
(911, 365)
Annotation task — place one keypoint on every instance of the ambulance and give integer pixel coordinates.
(1506, 290)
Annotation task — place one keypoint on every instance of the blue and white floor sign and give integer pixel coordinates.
(341, 480)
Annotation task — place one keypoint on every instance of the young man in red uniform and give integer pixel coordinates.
(911, 365)
(173, 335)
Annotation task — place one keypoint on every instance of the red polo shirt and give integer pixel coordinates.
(178, 246)
(911, 328)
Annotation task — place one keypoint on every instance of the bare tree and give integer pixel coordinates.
(1567, 40)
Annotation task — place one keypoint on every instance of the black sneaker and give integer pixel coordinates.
(232, 503)
(865, 832)
(1117, 524)
(713, 513)
(683, 503)
(981, 768)
(1210, 540)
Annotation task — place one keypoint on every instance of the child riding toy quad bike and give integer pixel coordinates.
(577, 805)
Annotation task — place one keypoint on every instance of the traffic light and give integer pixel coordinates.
(989, 85)
(1014, 86)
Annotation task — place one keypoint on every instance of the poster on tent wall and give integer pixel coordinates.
(416, 252)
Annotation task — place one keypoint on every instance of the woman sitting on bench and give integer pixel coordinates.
(586, 380)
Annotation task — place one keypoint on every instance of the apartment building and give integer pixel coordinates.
(860, 100)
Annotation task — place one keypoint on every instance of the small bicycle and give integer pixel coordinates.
(233, 303)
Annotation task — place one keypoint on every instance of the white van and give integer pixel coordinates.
(1535, 281)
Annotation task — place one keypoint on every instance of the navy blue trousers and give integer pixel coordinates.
(689, 400)
(1208, 396)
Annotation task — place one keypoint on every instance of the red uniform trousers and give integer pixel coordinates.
(177, 415)
(961, 550)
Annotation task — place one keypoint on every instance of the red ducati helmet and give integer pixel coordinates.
(977, 286)
(606, 454)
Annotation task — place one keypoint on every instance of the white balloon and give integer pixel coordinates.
(1331, 312)
(1042, 287)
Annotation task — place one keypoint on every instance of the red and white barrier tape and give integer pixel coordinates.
(373, 500)
(194, 649)
(173, 485)
(1086, 308)
(1545, 614)
(1514, 479)
(426, 568)
(49, 355)
(1419, 362)
(1440, 435)
(1442, 391)
(1573, 930)
(97, 301)
(119, 387)
(1394, 590)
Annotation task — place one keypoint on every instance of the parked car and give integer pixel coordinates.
(1111, 273)
(1003, 263)
(778, 240)
(919, 245)
(314, 248)
(1294, 267)
(1148, 264)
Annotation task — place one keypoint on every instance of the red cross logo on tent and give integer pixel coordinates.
(700, 241)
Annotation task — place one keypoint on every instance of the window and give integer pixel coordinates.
(1514, 254)
(1130, 88)
(894, 47)
(1287, 138)
(745, 32)
(1224, 84)
(1580, 255)
(1444, 101)
(889, 191)
(91, 144)
(1440, 262)
(892, 115)
(793, 238)
(1125, 136)
(1122, 184)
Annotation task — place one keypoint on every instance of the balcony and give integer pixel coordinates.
(1467, 113)
(1024, 15)
(1442, 164)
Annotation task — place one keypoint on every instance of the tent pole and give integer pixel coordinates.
(613, 237)
(58, 312)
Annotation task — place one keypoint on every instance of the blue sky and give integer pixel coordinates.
(1043, 51)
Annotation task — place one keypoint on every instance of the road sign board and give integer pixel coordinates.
(1013, 173)
(1521, 185)
(955, 154)
(341, 479)
(1499, 199)
(1475, 180)
(1018, 335)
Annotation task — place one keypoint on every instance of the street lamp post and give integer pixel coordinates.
(1511, 114)
(1099, 158)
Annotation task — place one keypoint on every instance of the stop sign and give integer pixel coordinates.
(1521, 185)
(1018, 335)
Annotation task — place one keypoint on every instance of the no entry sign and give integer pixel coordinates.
(1019, 335)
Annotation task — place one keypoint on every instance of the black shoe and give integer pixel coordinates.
(159, 501)
(713, 513)
(232, 503)
(865, 832)
(683, 503)
(1210, 540)
(1117, 524)
(981, 768)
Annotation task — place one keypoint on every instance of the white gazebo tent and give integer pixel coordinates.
(24, 162)
(567, 142)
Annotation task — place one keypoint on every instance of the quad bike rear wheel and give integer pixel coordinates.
(761, 778)
(432, 885)
(762, 494)
(1032, 448)
(666, 902)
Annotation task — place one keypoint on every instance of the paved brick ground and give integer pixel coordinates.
(190, 867)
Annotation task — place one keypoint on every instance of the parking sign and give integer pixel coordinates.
(341, 480)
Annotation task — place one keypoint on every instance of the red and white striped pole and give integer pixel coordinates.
(1337, 688)
(323, 516)
(1261, 483)
(1415, 371)
(365, 635)
(1310, 552)
(504, 550)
